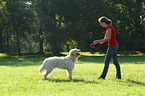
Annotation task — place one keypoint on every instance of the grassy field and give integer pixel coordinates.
(19, 77)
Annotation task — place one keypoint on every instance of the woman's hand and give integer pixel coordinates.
(96, 42)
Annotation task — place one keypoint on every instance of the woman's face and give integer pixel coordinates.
(102, 24)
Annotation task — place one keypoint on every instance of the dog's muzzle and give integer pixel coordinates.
(78, 52)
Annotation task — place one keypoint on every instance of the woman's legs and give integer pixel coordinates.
(115, 61)
(109, 54)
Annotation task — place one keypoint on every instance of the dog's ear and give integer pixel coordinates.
(72, 53)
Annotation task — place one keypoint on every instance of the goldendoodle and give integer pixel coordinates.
(67, 63)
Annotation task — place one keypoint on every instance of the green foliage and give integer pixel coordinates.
(128, 23)
(21, 16)
(57, 22)
(19, 23)
(69, 45)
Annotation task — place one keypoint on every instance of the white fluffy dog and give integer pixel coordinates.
(67, 63)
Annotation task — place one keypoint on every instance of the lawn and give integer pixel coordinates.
(19, 77)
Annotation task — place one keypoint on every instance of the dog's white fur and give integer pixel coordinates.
(67, 63)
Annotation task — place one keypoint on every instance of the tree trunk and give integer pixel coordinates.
(67, 47)
(18, 44)
(54, 47)
(54, 43)
(8, 42)
(1, 43)
(41, 41)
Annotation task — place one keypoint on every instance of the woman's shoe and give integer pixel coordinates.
(100, 78)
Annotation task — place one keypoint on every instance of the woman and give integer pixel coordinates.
(112, 47)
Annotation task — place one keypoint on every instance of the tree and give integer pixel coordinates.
(2, 23)
(41, 40)
(22, 18)
(69, 23)
(128, 22)
(84, 27)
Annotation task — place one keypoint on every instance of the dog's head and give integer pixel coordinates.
(75, 52)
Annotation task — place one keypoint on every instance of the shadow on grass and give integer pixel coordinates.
(131, 82)
(32, 61)
(121, 59)
(136, 82)
(74, 80)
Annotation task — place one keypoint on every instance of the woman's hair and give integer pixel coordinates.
(105, 19)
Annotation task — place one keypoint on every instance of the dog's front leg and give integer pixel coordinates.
(69, 74)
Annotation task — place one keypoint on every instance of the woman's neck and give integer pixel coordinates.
(106, 25)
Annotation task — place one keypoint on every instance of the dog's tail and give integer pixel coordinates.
(42, 69)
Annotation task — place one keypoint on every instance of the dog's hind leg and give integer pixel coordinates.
(48, 71)
(69, 74)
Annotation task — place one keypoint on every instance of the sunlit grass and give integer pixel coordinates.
(19, 77)
(124, 53)
(3, 55)
(86, 54)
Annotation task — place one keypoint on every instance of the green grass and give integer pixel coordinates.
(19, 77)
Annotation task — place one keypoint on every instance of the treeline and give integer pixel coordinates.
(59, 25)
